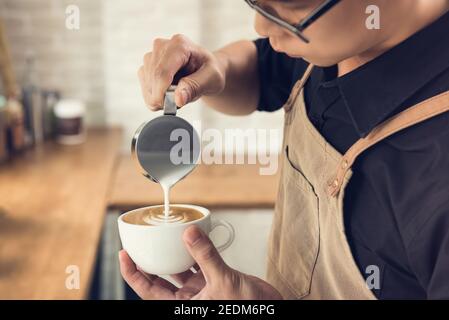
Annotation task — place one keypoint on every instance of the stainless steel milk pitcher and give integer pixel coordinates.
(167, 147)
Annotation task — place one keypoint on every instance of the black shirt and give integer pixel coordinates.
(396, 204)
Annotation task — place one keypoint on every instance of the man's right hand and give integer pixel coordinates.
(197, 71)
(214, 281)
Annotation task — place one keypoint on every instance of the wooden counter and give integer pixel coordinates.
(52, 205)
(211, 186)
(53, 201)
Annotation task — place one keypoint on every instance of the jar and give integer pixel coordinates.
(3, 130)
(69, 120)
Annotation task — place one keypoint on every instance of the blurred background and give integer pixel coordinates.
(98, 63)
(70, 103)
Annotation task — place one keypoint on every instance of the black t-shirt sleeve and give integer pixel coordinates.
(277, 75)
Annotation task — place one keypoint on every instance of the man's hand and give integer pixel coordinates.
(214, 280)
(197, 71)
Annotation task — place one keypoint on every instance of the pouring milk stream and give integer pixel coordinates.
(166, 149)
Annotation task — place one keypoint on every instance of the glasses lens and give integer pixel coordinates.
(267, 10)
(271, 14)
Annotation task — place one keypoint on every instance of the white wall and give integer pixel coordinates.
(70, 61)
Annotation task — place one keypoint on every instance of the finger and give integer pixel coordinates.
(202, 82)
(196, 281)
(164, 67)
(186, 293)
(202, 295)
(151, 60)
(146, 92)
(205, 254)
(147, 60)
(158, 49)
(192, 286)
(182, 277)
(158, 280)
(148, 66)
(139, 282)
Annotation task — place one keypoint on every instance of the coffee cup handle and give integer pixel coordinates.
(229, 227)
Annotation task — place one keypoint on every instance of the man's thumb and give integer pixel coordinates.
(204, 253)
(192, 87)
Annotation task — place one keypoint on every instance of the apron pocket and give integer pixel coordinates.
(296, 232)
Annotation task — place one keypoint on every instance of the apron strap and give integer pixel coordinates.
(298, 87)
(418, 113)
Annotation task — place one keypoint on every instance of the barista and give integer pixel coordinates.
(363, 204)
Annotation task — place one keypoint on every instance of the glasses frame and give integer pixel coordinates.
(297, 29)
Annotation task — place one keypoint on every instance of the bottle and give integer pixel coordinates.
(32, 103)
(3, 131)
(16, 127)
(12, 110)
(49, 101)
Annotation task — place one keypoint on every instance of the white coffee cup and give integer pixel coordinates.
(160, 249)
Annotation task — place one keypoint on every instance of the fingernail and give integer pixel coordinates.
(184, 96)
(193, 235)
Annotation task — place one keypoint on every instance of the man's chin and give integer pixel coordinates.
(277, 49)
(319, 62)
(274, 45)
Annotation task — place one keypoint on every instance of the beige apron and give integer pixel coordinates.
(309, 256)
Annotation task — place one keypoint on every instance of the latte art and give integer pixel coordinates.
(161, 218)
(156, 216)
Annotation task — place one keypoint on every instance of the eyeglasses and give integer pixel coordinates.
(302, 25)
